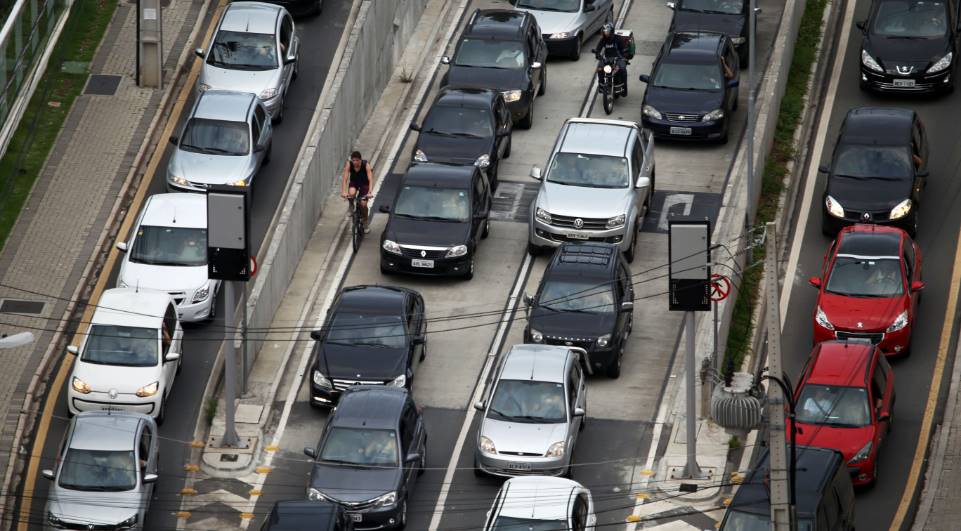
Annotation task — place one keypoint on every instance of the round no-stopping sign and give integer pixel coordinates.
(253, 266)
(720, 287)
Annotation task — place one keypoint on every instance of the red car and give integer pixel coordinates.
(844, 401)
(869, 288)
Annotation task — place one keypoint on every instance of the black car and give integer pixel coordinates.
(466, 126)
(297, 515)
(369, 456)
(693, 87)
(586, 300)
(877, 171)
(909, 46)
(438, 217)
(372, 335)
(729, 17)
(299, 8)
(501, 50)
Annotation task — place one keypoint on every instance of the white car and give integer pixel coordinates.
(542, 502)
(130, 355)
(168, 252)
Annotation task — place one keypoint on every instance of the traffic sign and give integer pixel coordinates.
(720, 287)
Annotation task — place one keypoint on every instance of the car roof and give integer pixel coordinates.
(226, 105)
(370, 406)
(815, 470)
(541, 363)
(441, 175)
(465, 97)
(841, 363)
(373, 299)
(98, 430)
(877, 126)
(537, 497)
(870, 240)
(131, 307)
(596, 137)
(581, 258)
(176, 210)
(294, 515)
(251, 17)
(693, 45)
(500, 24)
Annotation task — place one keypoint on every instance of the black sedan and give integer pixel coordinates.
(299, 8)
(466, 126)
(723, 16)
(693, 88)
(373, 335)
(877, 171)
(909, 46)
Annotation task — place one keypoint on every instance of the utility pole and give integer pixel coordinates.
(782, 512)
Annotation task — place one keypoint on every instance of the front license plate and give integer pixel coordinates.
(526, 467)
(416, 262)
(682, 131)
(905, 83)
(575, 236)
(356, 517)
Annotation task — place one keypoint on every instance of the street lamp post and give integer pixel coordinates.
(16, 340)
(792, 471)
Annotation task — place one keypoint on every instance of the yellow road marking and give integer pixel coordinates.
(246, 516)
(633, 518)
(262, 469)
(197, 444)
(191, 468)
(255, 492)
(925, 435)
(30, 478)
(188, 491)
(182, 514)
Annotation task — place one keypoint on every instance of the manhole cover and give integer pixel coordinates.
(102, 85)
(19, 306)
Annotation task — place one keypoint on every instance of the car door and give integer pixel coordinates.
(413, 331)
(173, 346)
(481, 205)
(288, 43)
(261, 130)
(878, 401)
(624, 318)
(910, 274)
(533, 56)
(637, 168)
(919, 148)
(577, 397)
(146, 456)
(500, 139)
(730, 58)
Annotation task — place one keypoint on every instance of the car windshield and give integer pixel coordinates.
(430, 203)
(859, 276)
(360, 446)
(594, 171)
(491, 54)
(367, 330)
(127, 346)
(748, 521)
(922, 19)
(833, 406)
(237, 50)
(459, 121)
(98, 470)
(510, 523)
(873, 162)
(688, 76)
(567, 6)
(563, 295)
(215, 137)
(170, 246)
(529, 401)
(725, 7)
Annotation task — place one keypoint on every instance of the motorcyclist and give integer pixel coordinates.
(612, 48)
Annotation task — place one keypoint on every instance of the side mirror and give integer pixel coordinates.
(385, 209)
(823, 168)
(861, 26)
(149, 478)
(172, 356)
(643, 182)
(445, 60)
(884, 417)
(528, 299)
(671, 5)
(73, 349)
(48, 474)
(419, 340)
(310, 452)
(199, 52)
(579, 412)
(174, 139)
(815, 281)
(536, 173)
(917, 285)
(923, 173)
(414, 127)
(479, 405)
(316, 335)
(503, 132)
(122, 247)
(589, 7)
(627, 306)
(645, 78)
(733, 83)
(290, 59)
(412, 457)
(259, 148)
(536, 65)
(481, 214)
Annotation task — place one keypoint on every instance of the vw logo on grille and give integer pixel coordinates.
(422, 255)
(866, 216)
(904, 69)
(578, 223)
(682, 117)
(112, 393)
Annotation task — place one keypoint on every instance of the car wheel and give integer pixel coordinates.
(213, 308)
(510, 143)
(577, 48)
(280, 112)
(180, 363)
(533, 250)
(614, 369)
(402, 521)
(296, 72)
(743, 56)
(629, 255)
(423, 351)
(826, 227)
(478, 473)
(874, 473)
(470, 270)
(422, 466)
(162, 415)
(270, 148)
(487, 230)
(528, 121)
(913, 228)
(543, 88)
(384, 271)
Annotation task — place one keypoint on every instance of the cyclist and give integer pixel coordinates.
(357, 181)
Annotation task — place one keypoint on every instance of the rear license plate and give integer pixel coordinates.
(416, 262)
(575, 236)
(526, 467)
(356, 517)
(682, 131)
(905, 83)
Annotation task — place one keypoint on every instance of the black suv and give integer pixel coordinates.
(586, 300)
(439, 215)
(372, 450)
(502, 50)
(466, 126)
(373, 335)
(877, 171)
(693, 87)
(296, 515)
(724, 16)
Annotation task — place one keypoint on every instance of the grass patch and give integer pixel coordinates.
(772, 183)
(210, 410)
(48, 108)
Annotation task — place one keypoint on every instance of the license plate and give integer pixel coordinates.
(356, 517)
(683, 131)
(519, 466)
(416, 262)
(906, 83)
(576, 236)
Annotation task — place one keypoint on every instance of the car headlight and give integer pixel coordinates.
(604, 340)
(128, 523)
(738, 40)
(53, 519)
(536, 336)
(869, 62)
(899, 323)
(386, 500)
(556, 449)
(901, 209)
(148, 390)
(542, 215)
(420, 156)
(80, 386)
(483, 161)
(651, 112)
(315, 495)
(391, 247)
(862, 454)
(942, 63)
(616, 221)
(834, 208)
(561, 35)
(179, 180)
(487, 445)
(400, 381)
(608, 69)
(269, 93)
(321, 381)
(240, 183)
(511, 95)
(203, 87)
(455, 251)
(201, 294)
(714, 115)
(822, 319)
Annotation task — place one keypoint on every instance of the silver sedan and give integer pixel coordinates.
(566, 24)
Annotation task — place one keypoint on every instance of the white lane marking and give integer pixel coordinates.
(815, 161)
(670, 201)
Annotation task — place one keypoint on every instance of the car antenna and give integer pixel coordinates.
(137, 286)
(175, 215)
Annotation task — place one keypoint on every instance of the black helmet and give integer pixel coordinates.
(607, 29)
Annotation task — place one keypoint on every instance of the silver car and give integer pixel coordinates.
(255, 50)
(535, 410)
(566, 24)
(225, 140)
(105, 472)
(598, 186)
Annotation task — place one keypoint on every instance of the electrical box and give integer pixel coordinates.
(149, 44)
(228, 233)
(689, 248)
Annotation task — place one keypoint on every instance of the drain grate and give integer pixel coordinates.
(21, 306)
(102, 85)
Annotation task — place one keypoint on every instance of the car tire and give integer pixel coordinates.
(267, 155)
(743, 56)
(213, 308)
(469, 275)
(478, 473)
(614, 369)
(162, 415)
(913, 227)
(533, 250)
(180, 363)
(296, 72)
(487, 230)
(384, 271)
(576, 55)
(543, 86)
(631, 251)
(527, 121)
(422, 467)
(826, 227)
(510, 144)
(402, 520)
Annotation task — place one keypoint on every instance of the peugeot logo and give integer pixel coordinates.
(422, 254)
(866, 216)
(904, 69)
(112, 393)
(860, 325)
(578, 223)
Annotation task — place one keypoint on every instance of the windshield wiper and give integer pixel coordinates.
(436, 218)
(466, 135)
(340, 462)
(842, 424)
(433, 131)
(535, 418)
(869, 177)
(344, 343)
(371, 344)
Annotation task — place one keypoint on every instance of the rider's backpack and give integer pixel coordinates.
(626, 37)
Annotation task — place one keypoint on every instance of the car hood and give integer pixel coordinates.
(731, 25)
(361, 363)
(873, 313)
(918, 53)
(583, 201)
(353, 483)
(554, 21)
(94, 507)
(125, 380)
(406, 231)
(488, 78)
(571, 324)
(868, 195)
(848, 441)
(683, 101)
(522, 436)
(210, 169)
(453, 149)
(253, 81)
(162, 278)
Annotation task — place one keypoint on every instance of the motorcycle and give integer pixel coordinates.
(608, 84)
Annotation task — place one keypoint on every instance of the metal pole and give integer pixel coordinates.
(691, 470)
(751, 59)
(244, 367)
(230, 366)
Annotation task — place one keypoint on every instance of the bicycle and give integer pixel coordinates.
(356, 222)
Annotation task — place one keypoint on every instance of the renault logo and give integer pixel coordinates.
(578, 223)
(904, 70)
(423, 254)
(866, 216)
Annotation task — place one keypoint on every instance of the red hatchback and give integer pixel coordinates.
(869, 288)
(844, 401)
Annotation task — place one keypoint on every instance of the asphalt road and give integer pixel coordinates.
(319, 38)
(938, 229)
